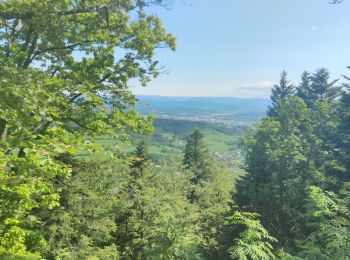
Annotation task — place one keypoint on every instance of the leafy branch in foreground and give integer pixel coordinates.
(253, 242)
(66, 67)
(327, 219)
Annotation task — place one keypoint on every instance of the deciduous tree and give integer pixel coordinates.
(65, 67)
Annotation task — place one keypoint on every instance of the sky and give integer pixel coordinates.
(238, 48)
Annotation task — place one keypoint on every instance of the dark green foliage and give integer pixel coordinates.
(343, 133)
(278, 168)
(298, 171)
(156, 220)
(83, 226)
(321, 87)
(196, 157)
(141, 160)
(280, 91)
(303, 90)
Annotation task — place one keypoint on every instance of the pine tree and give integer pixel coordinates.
(280, 92)
(83, 227)
(321, 86)
(324, 107)
(343, 134)
(211, 191)
(196, 157)
(132, 236)
(278, 168)
(303, 90)
(141, 159)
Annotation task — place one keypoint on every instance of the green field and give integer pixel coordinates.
(168, 140)
(171, 138)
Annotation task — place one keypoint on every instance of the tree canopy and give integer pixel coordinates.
(66, 67)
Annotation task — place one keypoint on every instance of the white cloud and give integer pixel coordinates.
(260, 89)
(259, 85)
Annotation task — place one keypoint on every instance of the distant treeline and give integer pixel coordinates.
(183, 127)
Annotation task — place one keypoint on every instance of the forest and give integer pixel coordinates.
(66, 68)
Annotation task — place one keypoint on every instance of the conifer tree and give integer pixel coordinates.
(83, 227)
(321, 86)
(211, 191)
(343, 134)
(303, 90)
(132, 235)
(279, 168)
(324, 104)
(196, 157)
(280, 91)
(141, 160)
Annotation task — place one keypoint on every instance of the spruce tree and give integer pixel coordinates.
(211, 191)
(303, 90)
(321, 86)
(132, 236)
(141, 159)
(196, 157)
(278, 169)
(343, 134)
(83, 227)
(324, 106)
(280, 92)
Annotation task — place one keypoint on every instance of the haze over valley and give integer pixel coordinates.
(224, 111)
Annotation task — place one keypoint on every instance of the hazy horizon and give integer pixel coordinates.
(213, 97)
(239, 48)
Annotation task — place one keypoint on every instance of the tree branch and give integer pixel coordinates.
(62, 48)
(31, 51)
(3, 129)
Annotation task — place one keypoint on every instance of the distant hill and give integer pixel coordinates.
(183, 128)
(214, 107)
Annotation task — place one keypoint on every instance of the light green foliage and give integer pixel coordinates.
(174, 232)
(65, 72)
(327, 219)
(211, 189)
(157, 220)
(214, 200)
(253, 241)
(66, 67)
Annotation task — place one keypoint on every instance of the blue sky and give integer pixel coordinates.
(239, 47)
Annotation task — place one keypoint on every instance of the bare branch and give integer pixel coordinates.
(336, 1)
